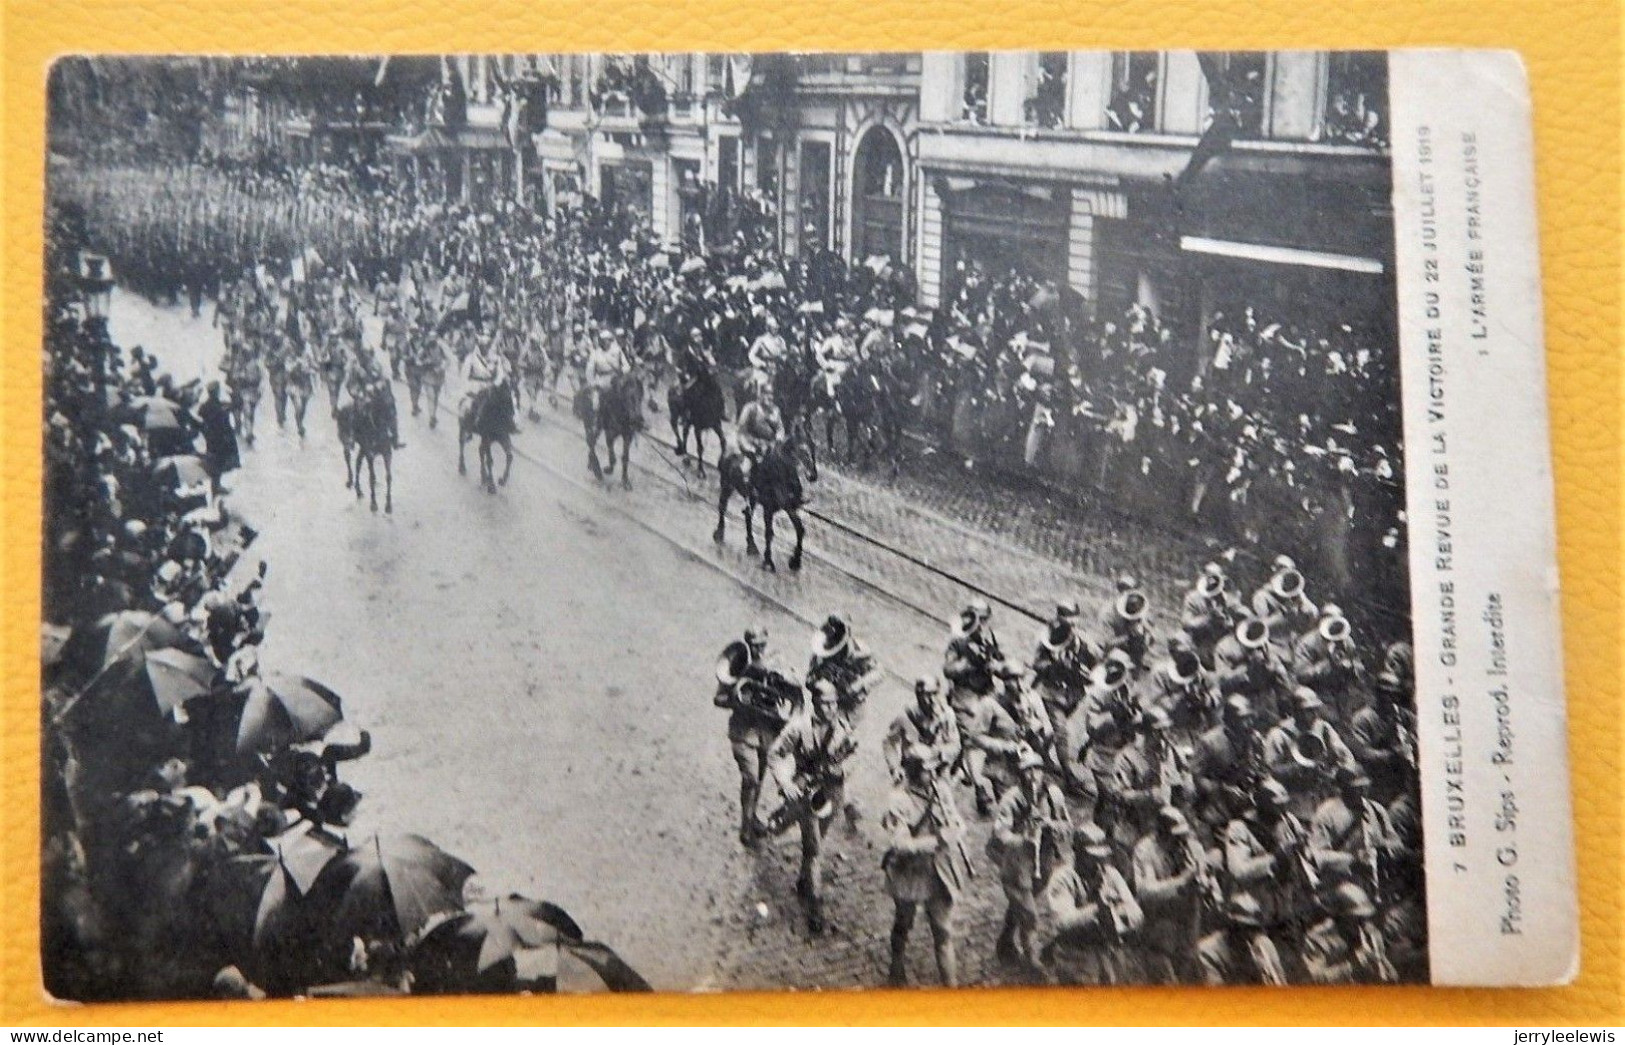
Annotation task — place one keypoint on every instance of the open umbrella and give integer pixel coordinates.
(155, 413)
(692, 265)
(181, 470)
(660, 261)
(883, 316)
(176, 676)
(387, 888)
(481, 948)
(117, 639)
(285, 709)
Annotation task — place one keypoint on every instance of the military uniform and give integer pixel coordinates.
(808, 762)
(925, 864)
(1171, 883)
(1097, 919)
(1032, 834)
(1306, 760)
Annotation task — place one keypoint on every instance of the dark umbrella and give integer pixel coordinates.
(476, 949)
(283, 709)
(290, 930)
(107, 662)
(155, 413)
(176, 676)
(181, 469)
(388, 888)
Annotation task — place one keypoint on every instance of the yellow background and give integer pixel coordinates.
(1573, 53)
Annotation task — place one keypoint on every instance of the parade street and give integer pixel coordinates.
(602, 779)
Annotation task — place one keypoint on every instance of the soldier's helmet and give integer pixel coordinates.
(1091, 841)
(1349, 900)
(756, 636)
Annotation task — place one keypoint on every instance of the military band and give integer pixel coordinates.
(1231, 799)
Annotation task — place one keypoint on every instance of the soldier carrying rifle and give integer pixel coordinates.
(808, 762)
(926, 862)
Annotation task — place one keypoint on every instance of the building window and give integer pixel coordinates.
(1356, 99)
(575, 94)
(1238, 94)
(728, 163)
(815, 184)
(973, 96)
(1135, 79)
(716, 74)
(1045, 105)
(767, 168)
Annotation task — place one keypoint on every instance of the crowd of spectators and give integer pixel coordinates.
(196, 829)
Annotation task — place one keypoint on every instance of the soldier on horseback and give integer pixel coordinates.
(484, 371)
(606, 361)
(760, 425)
(367, 384)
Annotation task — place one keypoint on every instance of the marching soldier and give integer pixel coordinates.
(1383, 740)
(1210, 611)
(1172, 883)
(1026, 710)
(993, 741)
(1127, 630)
(1351, 836)
(757, 712)
(926, 730)
(1096, 917)
(1031, 837)
(1109, 717)
(1348, 946)
(1282, 605)
(973, 650)
(1151, 773)
(1247, 870)
(1228, 763)
(1324, 657)
(1247, 662)
(926, 862)
(1305, 752)
(838, 656)
(1061, 669)
(1294, 879)
(1183, 688)
(808, 762)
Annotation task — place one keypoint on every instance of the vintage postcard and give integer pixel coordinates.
(695, 522)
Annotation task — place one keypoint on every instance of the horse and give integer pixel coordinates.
(619, 416)
(866, 401)
(774, 483)
(365, 436)
(696, 405)
(489, 416)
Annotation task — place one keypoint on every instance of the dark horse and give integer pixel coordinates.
(696, 405)
(619, 416)
(866, 402)
(489, 416)
(365, 436)
(774, 483)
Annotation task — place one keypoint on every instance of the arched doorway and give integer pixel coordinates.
(877, 196)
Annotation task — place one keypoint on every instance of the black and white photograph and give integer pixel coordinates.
(705, 522)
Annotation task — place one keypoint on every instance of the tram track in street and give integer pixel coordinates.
(598, 492)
